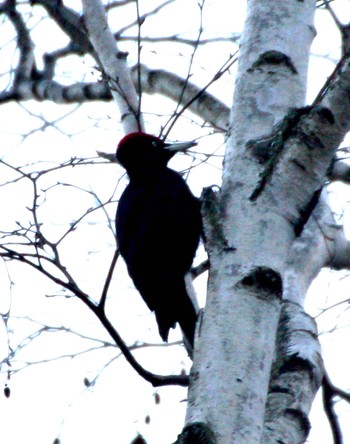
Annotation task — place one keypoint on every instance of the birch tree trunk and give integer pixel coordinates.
(251, 224)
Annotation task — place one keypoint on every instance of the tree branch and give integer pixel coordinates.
(199, 269)
(41, 90)
(343, 29)
(340, 171)
(328, 401)
(155, 380)
(30, 83)
(196, 98)
(296, 375)
(113, 63)
(332, 96)
(315, 248)
(25, 45)
(103, 298)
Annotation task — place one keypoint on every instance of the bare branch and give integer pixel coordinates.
(340, 171)
(199, 269)
(25, 45)
(172, 120)
(153, 81)
(140, 19)
(155, 380)
(108, 280)
(115, 66)
(207, 107)
(224, 68)
(182, 40)
(41, 90)
(332, 96)
(343, 29)
(117, 3)
(328, 401)
(40, 253)
(50, 329)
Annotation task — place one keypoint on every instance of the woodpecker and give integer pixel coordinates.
(158, 225)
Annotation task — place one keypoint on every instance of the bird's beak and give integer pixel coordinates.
(181, 146)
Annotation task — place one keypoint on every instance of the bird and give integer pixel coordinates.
(158, 229)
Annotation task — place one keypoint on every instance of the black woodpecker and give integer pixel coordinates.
(158, 226)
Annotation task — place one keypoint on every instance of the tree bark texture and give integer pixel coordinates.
(251, 224)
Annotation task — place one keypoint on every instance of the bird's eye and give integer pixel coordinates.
(155, 143)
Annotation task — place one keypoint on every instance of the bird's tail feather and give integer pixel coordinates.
(181, 310)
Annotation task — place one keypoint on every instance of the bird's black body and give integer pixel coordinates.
(158, 229)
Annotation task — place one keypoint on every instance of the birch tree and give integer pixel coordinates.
(268, 229)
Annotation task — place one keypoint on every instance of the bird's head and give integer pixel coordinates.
(141, 151)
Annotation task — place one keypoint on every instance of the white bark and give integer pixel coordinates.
(296, 376)
(298, 367)
(167, 84)
(341, 172)
(317, 247)
(114, 65)
(333, 98)
(341, 258)
(248, 240)
(272, 74)
(230, 375)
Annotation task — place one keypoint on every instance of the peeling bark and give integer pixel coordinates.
(297, 374)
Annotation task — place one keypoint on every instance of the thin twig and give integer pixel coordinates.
(189, 73)
(328, 403)
(103, 298)
(225, 67)
(199, 269)
(140, 21)
(155, 380)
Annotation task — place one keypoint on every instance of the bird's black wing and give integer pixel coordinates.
(158, 225)
(158, 229)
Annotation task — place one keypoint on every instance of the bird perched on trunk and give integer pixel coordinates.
(158, 227)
